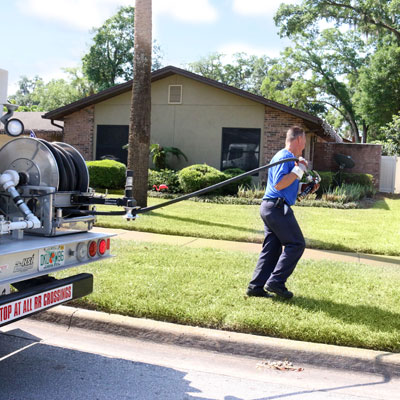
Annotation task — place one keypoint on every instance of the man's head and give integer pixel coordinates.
(295, 140)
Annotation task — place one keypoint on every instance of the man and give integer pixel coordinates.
(281, 228)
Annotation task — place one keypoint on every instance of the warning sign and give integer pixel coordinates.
(37, 302)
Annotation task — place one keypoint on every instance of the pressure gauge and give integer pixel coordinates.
(81, 251)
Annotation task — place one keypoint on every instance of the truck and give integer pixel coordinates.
(47, 212)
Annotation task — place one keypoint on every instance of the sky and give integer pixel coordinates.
(40, 37)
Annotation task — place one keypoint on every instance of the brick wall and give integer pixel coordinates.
(79, 131)
(276, 124)
(367, 158)
(50, 136)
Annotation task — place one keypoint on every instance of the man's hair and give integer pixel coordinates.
(293, 133)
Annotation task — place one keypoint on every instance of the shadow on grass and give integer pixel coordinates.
(373, 317)
(206, 223)
(381, 205)
(321, 245)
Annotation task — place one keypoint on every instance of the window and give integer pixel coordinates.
(240, 148)
(110, 139)
(175, 94)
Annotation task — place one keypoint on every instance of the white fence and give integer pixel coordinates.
(389, 179)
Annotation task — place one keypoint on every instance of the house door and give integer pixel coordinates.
(110, 139)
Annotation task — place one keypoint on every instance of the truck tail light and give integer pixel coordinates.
(102, 245)
(92, 248)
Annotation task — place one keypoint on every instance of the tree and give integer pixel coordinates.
(379, 87)
(24, 95)
(80, 81)
(390, 134)
(320, 74)
(139, 128)
(375, 90)
(371, 17)
(110, 57)
(286, 84)
(245, 72)
(36, 95)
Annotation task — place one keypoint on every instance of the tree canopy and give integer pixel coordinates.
(372, 81)
(109, 60)
(372, 17)
(244, 72)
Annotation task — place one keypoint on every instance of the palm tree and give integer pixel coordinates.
(159, 155)
(139, 129)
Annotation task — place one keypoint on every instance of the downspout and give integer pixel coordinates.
(58, 126)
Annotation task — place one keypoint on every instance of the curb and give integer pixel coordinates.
(261, 347)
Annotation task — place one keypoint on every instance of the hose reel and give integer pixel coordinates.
(41, 163)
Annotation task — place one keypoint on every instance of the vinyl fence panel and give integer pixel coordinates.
(389, 179)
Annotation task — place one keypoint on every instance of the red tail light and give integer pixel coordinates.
(102, 247)
(108, 244)
(92, 248)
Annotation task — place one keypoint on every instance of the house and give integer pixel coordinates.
(210, 122)
(33, 122)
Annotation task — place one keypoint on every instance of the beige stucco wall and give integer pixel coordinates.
(195, 126)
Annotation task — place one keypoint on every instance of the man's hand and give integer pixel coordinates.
(300, 167)
(303, 164)
(315, 188)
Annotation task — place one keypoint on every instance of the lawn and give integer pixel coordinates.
(374, 230)
(336, 303)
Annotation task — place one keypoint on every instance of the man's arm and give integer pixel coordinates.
(286, 181)
(296, 173)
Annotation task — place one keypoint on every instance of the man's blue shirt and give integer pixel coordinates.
(275, 174)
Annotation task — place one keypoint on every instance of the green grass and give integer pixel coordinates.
(374, 230)
(336, 303)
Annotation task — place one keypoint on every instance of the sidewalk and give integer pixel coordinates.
(261, 347)
(309, 254)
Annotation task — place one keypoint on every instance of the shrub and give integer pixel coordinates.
(326, 182)
(251, 193)
(360, 179)
(199, 176)
(106, 174)
(348, 193)
(233, 187)
(167, 177)
(329, 180)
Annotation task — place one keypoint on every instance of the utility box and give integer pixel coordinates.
(3, 86)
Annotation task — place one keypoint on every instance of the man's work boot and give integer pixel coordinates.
(279, 290)
(257, 292)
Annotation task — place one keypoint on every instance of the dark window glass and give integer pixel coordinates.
(240, 148)
(110, 139)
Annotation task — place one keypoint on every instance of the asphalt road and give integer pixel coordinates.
(42, 361)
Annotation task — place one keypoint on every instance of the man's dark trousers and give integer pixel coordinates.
(281, 229)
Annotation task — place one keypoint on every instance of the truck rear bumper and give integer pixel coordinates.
(42, 296)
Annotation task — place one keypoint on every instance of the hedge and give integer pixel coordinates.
(233, 187)
(199, 176)
(106, 174)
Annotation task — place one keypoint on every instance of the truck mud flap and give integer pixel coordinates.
(34, 299)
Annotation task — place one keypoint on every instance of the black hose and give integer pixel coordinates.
(186, 196)
(213, 187)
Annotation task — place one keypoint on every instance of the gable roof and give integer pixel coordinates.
(60, 113)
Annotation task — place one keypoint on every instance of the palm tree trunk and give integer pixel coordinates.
(139, 129)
